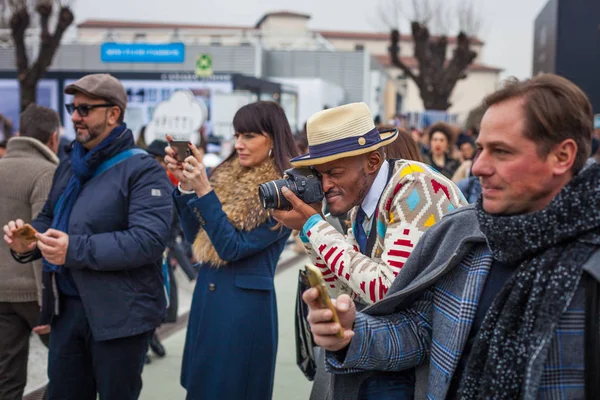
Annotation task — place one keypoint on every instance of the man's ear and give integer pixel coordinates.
(374, 161)
(114, 114)
(53, 142)
(564, 155)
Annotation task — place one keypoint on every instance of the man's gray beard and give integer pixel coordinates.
(91, 135)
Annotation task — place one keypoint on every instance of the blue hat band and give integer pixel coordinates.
(344, 145)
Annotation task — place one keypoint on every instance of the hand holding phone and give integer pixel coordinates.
(182, 150)
(316, 281)
(19, 236)
(26, 234)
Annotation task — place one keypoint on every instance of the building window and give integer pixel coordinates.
(111, 36)
(359, 47)
(139, 37)
(215, 40)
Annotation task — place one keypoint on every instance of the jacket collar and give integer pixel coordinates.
(22, 146)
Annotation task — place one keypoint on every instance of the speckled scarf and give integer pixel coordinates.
(548, 249)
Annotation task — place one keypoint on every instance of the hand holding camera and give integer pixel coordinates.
(295, 198)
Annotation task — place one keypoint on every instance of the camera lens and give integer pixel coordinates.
(271, 196)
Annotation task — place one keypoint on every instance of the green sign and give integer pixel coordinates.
(204, 65)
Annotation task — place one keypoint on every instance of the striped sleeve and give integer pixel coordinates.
(334, 284)
(414, 203)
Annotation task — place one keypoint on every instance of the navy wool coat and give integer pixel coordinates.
(231, 339)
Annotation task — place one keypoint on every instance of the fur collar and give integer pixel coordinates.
(237, 189)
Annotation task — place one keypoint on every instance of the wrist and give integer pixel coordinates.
(203, 191)
(185, 188)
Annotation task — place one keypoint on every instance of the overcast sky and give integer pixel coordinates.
(507, 25)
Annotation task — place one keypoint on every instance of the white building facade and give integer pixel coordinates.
(285, 31)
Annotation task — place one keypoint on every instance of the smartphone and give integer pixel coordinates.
(315, 278)
(26, 233)
(182, 150)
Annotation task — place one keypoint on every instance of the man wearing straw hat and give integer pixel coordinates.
(392, 203)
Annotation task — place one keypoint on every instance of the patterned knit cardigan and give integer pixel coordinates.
(415, 198)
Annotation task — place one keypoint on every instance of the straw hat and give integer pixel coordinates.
(341, 132)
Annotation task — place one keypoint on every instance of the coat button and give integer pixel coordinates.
(212, 287)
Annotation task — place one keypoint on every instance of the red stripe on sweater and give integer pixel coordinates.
(388, 205)
(397, 264)
(397, 188)
(372, 290)
(404, 242)
(336, 259)
(329, 254)
(399, 253)
(341, 264)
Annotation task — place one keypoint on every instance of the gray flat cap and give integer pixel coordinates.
(103, 86)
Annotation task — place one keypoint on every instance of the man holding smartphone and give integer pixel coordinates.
(503, 299)
(102, 232)
(392, 203)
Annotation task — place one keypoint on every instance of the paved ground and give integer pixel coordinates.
(161, 377)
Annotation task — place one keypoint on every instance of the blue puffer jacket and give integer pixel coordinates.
(117, 233)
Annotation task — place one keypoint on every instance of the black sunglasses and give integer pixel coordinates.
(84, 109)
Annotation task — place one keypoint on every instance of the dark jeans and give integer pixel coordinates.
(16, 322)
(79, 367)
(389, 386)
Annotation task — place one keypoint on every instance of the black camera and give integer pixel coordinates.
(305, 183)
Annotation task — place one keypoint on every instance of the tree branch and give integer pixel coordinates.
(394, 51)
(19, 23)
(48, 50)
(44, 9)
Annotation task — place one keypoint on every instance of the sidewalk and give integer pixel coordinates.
(161, 376)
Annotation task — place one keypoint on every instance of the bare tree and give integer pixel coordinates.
(430, 21)
(30, 72)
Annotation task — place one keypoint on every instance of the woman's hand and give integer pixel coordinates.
(174, 166)
(194, 172)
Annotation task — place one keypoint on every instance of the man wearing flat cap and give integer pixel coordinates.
(101, 234)
(392, 203)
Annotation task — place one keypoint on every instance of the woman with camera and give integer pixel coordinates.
(231, 339)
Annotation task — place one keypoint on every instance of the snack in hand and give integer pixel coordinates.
(26, 233)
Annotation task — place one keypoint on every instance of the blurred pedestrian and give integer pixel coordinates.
(102, 233)
(403, 148)
(25, 178)
(440, 145)
(231, 340)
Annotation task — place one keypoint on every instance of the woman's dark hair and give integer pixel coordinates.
(443, 128)
(267, 117)
(301, 141)
(404, 147)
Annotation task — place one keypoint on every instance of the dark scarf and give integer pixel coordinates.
(83, 165)
(548, 249)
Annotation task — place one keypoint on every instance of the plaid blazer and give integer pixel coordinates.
(435, 328)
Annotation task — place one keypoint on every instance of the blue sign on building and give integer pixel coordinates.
(142, 53)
